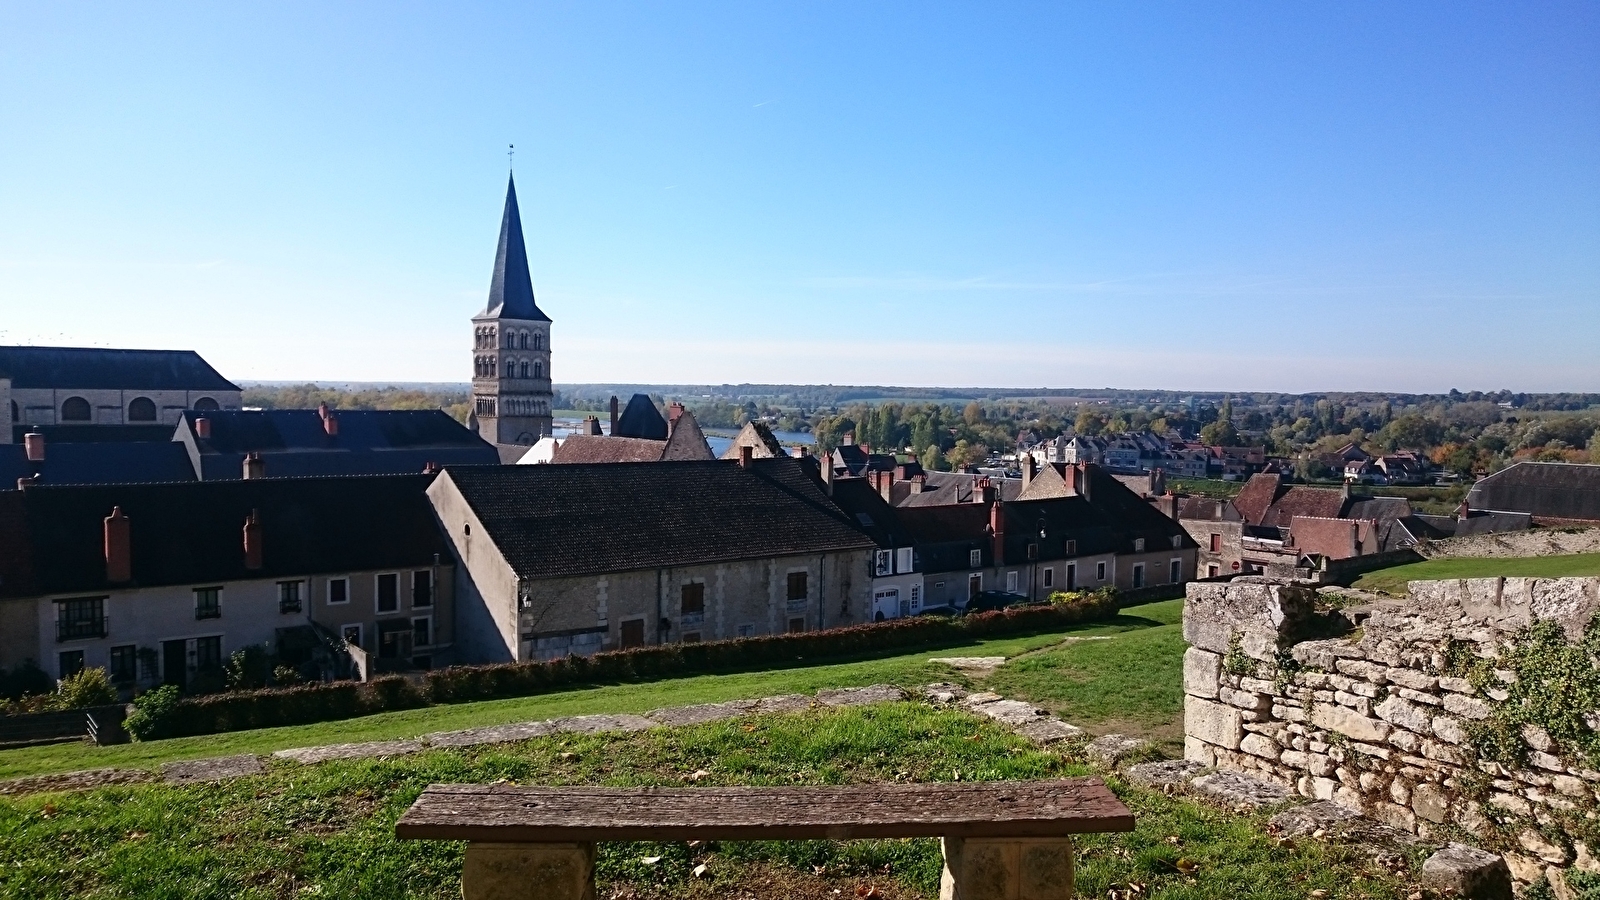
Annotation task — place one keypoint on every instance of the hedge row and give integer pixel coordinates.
(301, 705)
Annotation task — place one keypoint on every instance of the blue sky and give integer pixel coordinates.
(1274, 196)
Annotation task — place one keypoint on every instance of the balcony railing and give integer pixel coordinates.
(80, 629)
(208, 612)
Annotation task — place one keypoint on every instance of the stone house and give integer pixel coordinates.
(565, 559)
(94, 386)
(1548, 493)
(160, 583)
(1218, 529)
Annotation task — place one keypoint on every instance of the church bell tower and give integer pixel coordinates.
(511, 389)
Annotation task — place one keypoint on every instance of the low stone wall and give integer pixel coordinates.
(1537, 542)
(1467, 711)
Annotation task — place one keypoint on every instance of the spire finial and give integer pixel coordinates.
(510, 163)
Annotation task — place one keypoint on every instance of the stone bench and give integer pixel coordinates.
(1002, 840)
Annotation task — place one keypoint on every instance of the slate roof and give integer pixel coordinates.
(1544, 490)
(641, 419)
(193, 533)
(870, 513)
(94, 434)
(127, 462)
(946, 488)
(511, 287)
(293, 442)
(561, 521)
(1207, 509)
(87, 368)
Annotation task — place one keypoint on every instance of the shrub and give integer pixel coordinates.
(24, 680)
(249, 668)
(87, 687)
(154, 713)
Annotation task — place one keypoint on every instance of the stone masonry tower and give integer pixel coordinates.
(511, 394)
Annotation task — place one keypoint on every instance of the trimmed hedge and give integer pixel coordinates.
(305, 704)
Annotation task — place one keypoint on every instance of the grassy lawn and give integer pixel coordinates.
(327, 831)
(908, 669)
(1393, 580)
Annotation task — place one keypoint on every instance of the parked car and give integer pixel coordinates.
(948, 612)
(987, 601)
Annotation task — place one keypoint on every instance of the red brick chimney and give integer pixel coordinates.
(33, 443)
(886, 486)
(613, 431)
(330, 424)
(119, 554)
(252, 540)
(997, 527)
(674, 413)
(919, 483)
(202, 428)
(747, 456)
(430, 468)
(254, 466)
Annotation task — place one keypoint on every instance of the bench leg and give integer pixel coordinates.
(1006, 869)
(528, 872)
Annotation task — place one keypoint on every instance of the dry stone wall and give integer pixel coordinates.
(1535, 542)
(1466, 711)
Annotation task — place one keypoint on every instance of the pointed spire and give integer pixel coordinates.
(511, 291)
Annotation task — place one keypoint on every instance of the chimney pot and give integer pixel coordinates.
(330, 423)
(252, 540)
(202, 428)
(747, 456)
(33, 444)
(119, 560)
(430, 468)
(254, 466)
(613, 431)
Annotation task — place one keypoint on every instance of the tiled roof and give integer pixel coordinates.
(193, 533)
(687, 443)
(87, 368)
(121, 462)
(1208, 509)
(1566, 491)
(595, 448)
(1334, 538)
(556, 521)
(870, 513)
(1257, 494)
(945, 488)
(1299, 500)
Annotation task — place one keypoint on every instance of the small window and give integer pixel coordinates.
(797, 625)
(1072, 548)
(422, 588)
(1175, 571)
(71, 662)
(208, 603)
(538, 342)
(289, 596)
(1011, 582)
(1216, 543)
(206, 404)
(1212, 570)
(797, 586)
(1138, 575)
(882, 562)
(974, 559)
(903, 560)
(208, 654)
(632, 633)
(75, 409)
(1177, 541)
(388, 592)
(1138, 545)
(124, 664)
(1100, 571)
(538, 370)
(422, 631)
(693, 599)
(338, 590)
(747, 631)
(142, 409)
(1049, 577)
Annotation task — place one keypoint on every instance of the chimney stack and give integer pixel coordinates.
(747, 456)
(886, 487)
(202, 428)
(825, 463)
(613, 431)
(848, 438)
(254, 466)
(919, 483)
(1463, 511)
(430, 468)
(997, 527)
(329, 423)
(252, 540)
(119, 555)
(1083, 480)
(674, 413)
(33, 443)
(591, 425)
(1029, 469)
(25, 482)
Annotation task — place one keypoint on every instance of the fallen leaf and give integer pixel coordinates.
(700, 870)
(650, 860)
(1186, 865)
(1318, 894)
(569, 756)
(698, 774)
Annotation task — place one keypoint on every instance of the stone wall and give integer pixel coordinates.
(1537, 542)
(1465, 712)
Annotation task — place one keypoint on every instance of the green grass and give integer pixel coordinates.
(1393, 580)
(327, 831)
(908, 669)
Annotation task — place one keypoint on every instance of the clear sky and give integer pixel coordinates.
(1275, 196)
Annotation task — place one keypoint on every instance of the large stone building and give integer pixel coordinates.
(512, 400)
(53, 386)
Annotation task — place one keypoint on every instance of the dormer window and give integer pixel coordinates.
(1138, 545)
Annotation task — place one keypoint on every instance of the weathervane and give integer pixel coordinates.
(510, 153)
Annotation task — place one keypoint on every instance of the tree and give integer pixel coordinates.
(1089, 422)
(973, 414)
(933, 460)
(1220, 433)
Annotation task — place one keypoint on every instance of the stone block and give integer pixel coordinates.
(489, 734)
(602, 723)
(1236, 790)
(1468, 873)
(1213, 723)
(1324, 654)
(1246, 700)
(1404, 713)
(701, 713)
(1007, 869)
(1199, 752)
(1360, 668)
(1455, 685)
(1449, 730)
(1111, 749)
(943, 692)
(1009, 712)
(528, 872)
(1048, 730)
(1349, 723)
(1411, 678)
(367, 750)
(1266, 616)
(216, 768)
(1542, 847)
(1201, 671)
(1260, 745)
(1168, 774)
(1423, 697)
(1466, 707)
(861, 696)
(1430, 803)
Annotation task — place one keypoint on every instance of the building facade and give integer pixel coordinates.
(94, 386)
(512, 398)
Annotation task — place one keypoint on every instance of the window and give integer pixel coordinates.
(511, 368)
(71, 662)
(1138, 575)
(1072, 576)
(1216, 543)
(422, 588)
(632, 633)
(75, 409)
(903, 561)
(1177, 541)
(1138, 545)
(1100, 571)
(974, 559)
(422, 631)
(208, 654)
(208, 603)
(538, 342)
(124, 667)
(694, 599)
(1011, 582)
(797, 625)
(289, 596)
(351, 635)
(1175, 571)
(524, 368)
(882, 562)
(747, 631)
(1072, 548)
(1212, 571)
(1049, 577)
(81, 618)
(338, 590)
(692, 637)
(142, 409)
(538, 370)
(206, 404)
(388, 592)
(797, 586)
